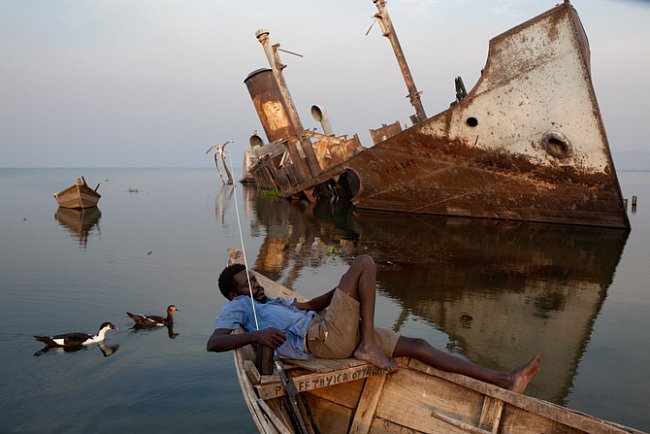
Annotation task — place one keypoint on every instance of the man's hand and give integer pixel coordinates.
(224, 339)
(271, 337)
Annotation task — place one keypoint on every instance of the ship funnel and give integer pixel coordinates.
(320, 115)
(267, 99)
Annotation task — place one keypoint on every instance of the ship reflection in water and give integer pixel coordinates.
(79, 223)
(498, 290)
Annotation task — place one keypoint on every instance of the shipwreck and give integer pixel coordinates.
(526, 143)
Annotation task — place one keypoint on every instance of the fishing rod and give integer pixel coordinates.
(290, 390)
(243, 250)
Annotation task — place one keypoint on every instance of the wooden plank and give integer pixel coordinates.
(262, 422)
(251, 372)
(409, 398)
(277, 423)
(459, 424)
(328, 417)
(317, 380)
(280, 408)
(517, 421)
(346, 394)
(273, 378)
(269, 390)
(491, 414)
(367, 405)
(326, 365)
(434, 426)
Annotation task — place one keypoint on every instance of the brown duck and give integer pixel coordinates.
(154, 320)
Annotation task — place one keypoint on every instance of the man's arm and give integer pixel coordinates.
(316, 304)
(224, 339)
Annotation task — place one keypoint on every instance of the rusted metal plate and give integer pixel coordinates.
(385, 131)
(484, 183)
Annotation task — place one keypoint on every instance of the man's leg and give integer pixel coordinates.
(515, 380)
(359, 283)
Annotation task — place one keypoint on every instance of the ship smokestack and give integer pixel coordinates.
(320, 115)
(302, 145)
(267, 100)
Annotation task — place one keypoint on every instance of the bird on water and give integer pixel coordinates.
(76, 339)
(154, 320)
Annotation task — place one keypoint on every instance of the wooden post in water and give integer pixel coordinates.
(222, 153)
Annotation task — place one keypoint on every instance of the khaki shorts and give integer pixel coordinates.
(334, 332)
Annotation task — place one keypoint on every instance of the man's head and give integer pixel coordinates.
(233, 282)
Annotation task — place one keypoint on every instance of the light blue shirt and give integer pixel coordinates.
(276, 312)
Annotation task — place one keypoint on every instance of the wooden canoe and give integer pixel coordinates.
(352, 396)
(78, 196)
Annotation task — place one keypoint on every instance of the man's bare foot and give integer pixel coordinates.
(373, 354)
(525, 373)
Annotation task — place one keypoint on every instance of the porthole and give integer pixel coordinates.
(556, 145)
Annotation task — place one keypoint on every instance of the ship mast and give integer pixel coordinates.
(304, 143)
(387, 29)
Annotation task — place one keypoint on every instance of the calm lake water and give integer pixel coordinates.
(489, 291)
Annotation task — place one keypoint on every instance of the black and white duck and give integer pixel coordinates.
(154, 320)
(76, 339)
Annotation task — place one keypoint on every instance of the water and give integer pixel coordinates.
(491, 292)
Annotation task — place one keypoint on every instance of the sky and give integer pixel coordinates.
(155, 83)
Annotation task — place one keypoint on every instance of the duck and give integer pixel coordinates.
(76, 339)
(154, 320)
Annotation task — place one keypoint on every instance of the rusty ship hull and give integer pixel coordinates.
(527, 142)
